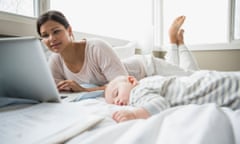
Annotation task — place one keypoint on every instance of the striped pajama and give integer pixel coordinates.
(158, 93)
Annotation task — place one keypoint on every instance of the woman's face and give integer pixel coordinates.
(55, 36)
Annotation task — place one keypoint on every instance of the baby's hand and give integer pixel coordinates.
(123, 115)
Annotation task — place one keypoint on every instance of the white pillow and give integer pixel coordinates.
(125, 51)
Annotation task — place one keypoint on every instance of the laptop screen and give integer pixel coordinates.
(24, 72)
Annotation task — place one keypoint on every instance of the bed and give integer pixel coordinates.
(88, 121)
(193, 124)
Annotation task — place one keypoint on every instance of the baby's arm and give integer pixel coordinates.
(153, 104)
(124, 115)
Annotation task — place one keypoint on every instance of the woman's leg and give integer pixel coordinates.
(172, 63)
(178, 60)
(178, 53)
(165, 68)
(174, 30)
(157, 66)
(172, 55)
(186, 59)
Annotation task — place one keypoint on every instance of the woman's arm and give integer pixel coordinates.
(56, 68)
(71, 85)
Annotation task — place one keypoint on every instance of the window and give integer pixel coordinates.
(144, 21)
(237, 20)
(206, 20)
(18, 17)
(20, 7)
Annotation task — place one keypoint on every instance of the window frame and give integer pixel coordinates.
(233, 11)
(20, 25)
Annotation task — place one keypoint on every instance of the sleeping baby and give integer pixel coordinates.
(152, 95)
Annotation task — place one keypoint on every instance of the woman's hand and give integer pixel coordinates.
(70, 85)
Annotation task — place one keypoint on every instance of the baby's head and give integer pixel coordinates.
(118, 90)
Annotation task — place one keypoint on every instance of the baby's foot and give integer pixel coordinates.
(174, 29)
(180, 38)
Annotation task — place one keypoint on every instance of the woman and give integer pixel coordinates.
(77, 62)
(93, 61)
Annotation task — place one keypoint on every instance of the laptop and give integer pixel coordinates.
(24, 72)
(25, 76)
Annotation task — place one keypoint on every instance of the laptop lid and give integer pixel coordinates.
(24, 72)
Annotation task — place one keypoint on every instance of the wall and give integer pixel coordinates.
(223, 60)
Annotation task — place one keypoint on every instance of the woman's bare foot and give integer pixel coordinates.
(180, 38)
(174, 29)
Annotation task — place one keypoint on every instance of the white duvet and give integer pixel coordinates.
(190, 124)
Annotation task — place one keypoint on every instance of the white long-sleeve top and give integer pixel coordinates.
(100, 66)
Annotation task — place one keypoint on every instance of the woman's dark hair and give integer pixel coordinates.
(51, 15)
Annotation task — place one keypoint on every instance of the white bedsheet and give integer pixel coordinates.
(191, 124)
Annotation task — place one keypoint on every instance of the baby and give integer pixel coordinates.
(152, 95)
